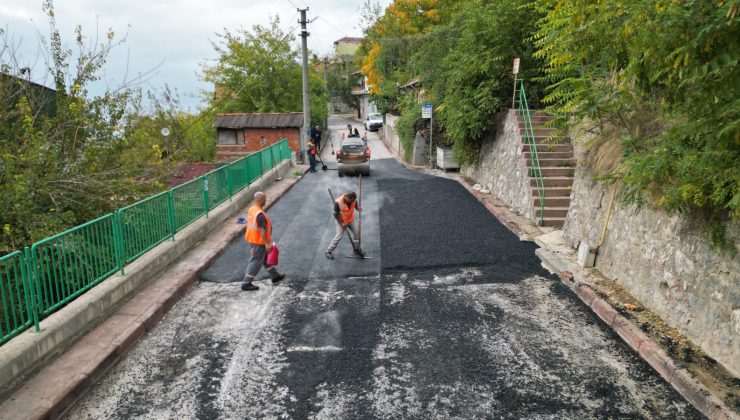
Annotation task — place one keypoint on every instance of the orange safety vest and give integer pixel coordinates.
(253, 235)
(347, 213)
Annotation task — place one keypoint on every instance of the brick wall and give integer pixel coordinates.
(252, 142)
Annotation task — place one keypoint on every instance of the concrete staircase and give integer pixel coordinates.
(558, 168)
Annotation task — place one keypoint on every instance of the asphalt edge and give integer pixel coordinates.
(652, 353)
(90, 374)
(648, 350)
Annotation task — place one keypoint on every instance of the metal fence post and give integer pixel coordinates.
(205, 193)
(229, 187)
(32, 307)
(171, 213)
(262, 169)
(118, 241)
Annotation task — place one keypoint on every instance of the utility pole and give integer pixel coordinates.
(306, 101)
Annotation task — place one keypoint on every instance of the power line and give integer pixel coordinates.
(332, 25)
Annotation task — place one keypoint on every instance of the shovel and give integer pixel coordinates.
(323, 165)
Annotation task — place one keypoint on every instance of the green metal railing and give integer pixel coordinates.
(17, 300)
(535, 169)
(42, 278)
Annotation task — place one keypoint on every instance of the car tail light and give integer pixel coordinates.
(338, 152)
(367, 152)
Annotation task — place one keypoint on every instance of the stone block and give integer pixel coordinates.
(586, 256)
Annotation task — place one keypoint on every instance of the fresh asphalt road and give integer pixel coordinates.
(453, 317)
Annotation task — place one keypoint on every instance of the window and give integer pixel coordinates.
(226, 137)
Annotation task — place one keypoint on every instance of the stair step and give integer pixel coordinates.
(549, 155)
(558, 172)
(542, 147)
(553, 201)
(551, 211)
(563, 192)
(554, 163)
(537, 130)
(536, 118)
(552, 182)
(553, 172)
(556, 222)
(546, 140)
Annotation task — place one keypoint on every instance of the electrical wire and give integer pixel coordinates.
(332, 25)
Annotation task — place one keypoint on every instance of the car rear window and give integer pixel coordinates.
(353, 148)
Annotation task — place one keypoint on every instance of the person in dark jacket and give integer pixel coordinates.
(317, 136)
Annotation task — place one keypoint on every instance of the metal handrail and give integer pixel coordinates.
(40, 279)
(535, 170)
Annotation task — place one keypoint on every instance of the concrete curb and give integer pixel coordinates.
(55, 388)
(652, 353)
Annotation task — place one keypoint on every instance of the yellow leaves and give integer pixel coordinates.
(6, 229)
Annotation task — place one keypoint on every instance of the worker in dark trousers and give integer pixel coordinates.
(259, 237)
(311, 151)
(344, 216)
(317, 135)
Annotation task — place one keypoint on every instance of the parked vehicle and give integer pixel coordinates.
(353, 157)
(374, 122)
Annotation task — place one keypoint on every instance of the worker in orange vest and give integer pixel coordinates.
(344, 215)
(259, 237)
(312, 151)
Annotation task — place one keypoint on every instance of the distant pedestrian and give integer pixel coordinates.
(349, 128)
(311, 151)
(344, 217)
(259, 237)
(356, 133)
(317, 136)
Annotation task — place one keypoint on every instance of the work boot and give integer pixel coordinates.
(275, 276)
(249, 286)
(329, 255)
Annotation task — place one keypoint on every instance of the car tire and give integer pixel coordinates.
(339, 172)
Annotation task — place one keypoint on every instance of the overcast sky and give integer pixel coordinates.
(172, 34)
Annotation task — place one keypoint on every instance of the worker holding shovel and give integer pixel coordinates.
(344, 216)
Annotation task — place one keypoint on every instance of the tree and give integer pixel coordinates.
(341, 80)
(67, 156)
(461, 54)
(660, 80)
(258, 71)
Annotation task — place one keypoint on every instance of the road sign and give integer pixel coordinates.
(516, 65)
(426, 111)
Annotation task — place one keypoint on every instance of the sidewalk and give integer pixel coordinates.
(56, 387)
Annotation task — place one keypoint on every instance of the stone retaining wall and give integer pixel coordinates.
(501, 167)
(664, 261)
(390, 136)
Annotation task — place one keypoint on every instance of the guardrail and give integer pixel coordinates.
(40, 279)
(535, 170)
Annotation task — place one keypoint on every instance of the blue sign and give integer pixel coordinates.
(426, 111)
